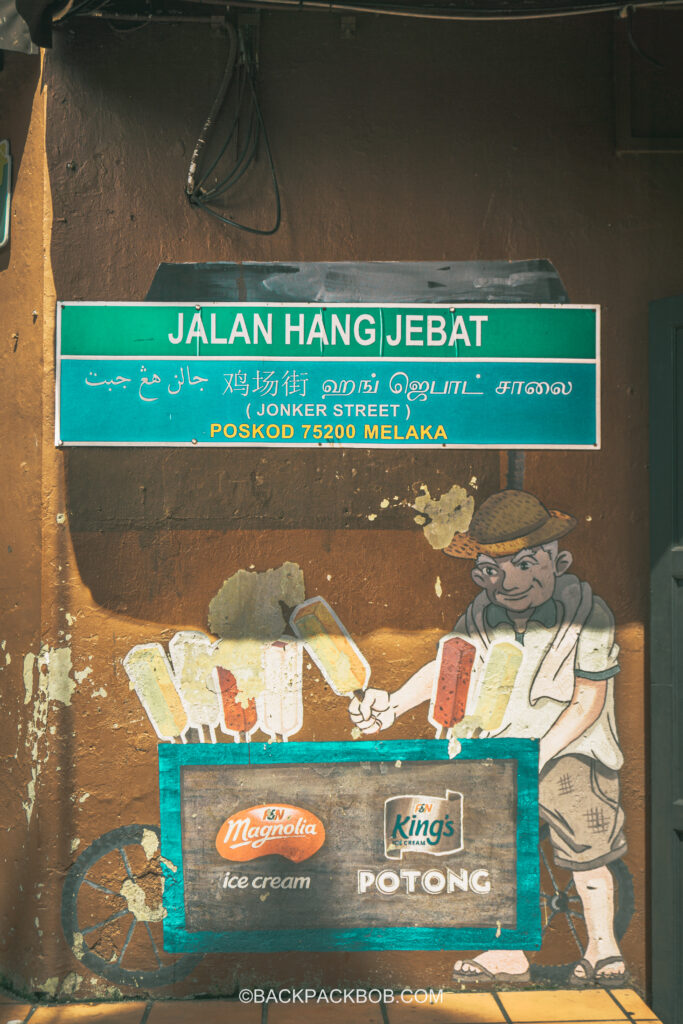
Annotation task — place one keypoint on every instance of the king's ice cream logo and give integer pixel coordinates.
(423, 824)
(414, 823)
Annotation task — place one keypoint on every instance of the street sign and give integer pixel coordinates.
(307, 375)
(366, 845)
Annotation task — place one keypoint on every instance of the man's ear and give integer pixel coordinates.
(562, 562)
(478, 576)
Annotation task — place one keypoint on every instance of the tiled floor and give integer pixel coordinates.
(594, 1006)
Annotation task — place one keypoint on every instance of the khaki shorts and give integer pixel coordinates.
(579, 798)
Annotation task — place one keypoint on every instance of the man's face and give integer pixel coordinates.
(519, 583)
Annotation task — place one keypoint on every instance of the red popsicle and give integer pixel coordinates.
(455, 669)
(238, 719)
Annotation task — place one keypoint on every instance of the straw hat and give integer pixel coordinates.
(508, 522)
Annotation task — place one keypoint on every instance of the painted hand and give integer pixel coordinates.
(373, 712)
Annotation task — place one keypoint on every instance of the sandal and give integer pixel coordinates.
(482, 973)
(615, 980)
(585, 979)
(592, 975)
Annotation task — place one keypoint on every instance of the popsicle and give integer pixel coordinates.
(280, 705)
(194, 656)
(151, 677)
(500, 673)
(239, 715)
(454, 671)
(242, 657)
(341, 663)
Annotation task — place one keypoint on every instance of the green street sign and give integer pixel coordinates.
(306, 374)
(216, 330)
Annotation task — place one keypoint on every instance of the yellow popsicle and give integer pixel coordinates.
(193, 657)
(150, 676)
(332, 649)
(501, 671)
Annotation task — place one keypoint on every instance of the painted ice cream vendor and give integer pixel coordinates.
(554, 638)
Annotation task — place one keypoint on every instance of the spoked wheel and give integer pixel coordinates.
(559, 897)
(112, 910)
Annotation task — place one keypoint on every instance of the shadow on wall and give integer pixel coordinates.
(18, 82)
(322, 489)
(183, 516)
(257, 489)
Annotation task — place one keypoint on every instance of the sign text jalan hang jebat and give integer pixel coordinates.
(510, 376)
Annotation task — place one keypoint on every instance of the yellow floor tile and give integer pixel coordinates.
(204, 1011)
(548, 1007)
(85, 1013)
(323, 1013)
(632, 1003)
(11, 1012)
(453, 1008)
(563, 1005)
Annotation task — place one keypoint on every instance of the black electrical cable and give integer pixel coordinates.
(233, 127)
(455, 13)
(451, 13)
(85, 7)
(247, 109)
(241, 167)
(238, 169)
(276, 192)
(652, 61)
(215, 109)
(126, 31)
(243, 162)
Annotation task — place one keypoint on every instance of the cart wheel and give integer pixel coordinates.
(563, 899)
(112, 910)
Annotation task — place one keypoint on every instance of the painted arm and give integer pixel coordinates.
(586, 704)
(379, 709)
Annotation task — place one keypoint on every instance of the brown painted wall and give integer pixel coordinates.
(21, 427)
(412, 141)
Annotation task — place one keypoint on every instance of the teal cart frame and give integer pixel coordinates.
(177, 939)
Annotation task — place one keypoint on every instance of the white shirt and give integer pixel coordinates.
(595, 657)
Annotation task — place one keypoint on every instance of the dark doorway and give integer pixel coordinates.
(666, 661)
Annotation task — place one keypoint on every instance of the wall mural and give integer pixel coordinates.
(534, 656)
(526, 677)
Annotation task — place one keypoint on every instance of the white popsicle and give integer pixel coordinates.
(194, 656)
(280, 705)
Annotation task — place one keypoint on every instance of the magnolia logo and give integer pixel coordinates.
(423, 824)
(293, 832)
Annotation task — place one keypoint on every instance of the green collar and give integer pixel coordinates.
(546, 614)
